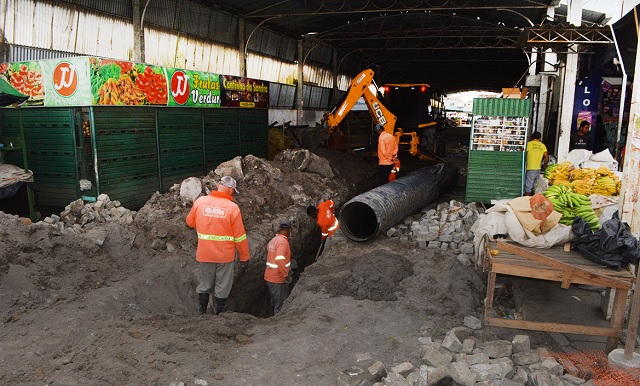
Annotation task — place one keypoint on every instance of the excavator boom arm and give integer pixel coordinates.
(360, 88)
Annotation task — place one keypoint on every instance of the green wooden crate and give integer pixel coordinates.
(221, 136)
(50, 148)
(180, 139)
(253, 132)
(127, 153)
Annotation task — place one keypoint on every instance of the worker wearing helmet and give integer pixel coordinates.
(221, 233)
(326, 219)
(279, 266)
(387, 153)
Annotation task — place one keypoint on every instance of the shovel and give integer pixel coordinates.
(320, 249)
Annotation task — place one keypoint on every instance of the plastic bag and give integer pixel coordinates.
(613, 245)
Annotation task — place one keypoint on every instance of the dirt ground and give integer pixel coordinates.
(75, 312)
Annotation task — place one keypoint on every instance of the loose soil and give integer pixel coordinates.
(75, 312)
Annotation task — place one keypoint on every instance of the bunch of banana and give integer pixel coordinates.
(571, 204)
(586, 181)
(549, 169)
(561, 172)
(607, 186)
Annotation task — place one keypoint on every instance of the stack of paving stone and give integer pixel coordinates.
(447, 227)
(77, 215)
(463, 357)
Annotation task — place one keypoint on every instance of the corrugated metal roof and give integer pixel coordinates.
(24, 54)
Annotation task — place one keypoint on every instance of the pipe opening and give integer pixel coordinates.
(358, 221)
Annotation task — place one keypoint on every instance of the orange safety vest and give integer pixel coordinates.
(327, 221)
(278, 259)
(387, 148)
(221, 232)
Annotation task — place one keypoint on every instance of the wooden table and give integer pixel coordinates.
(559, 265)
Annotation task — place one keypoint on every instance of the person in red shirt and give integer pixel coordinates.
(326, 219)
(218, 223)
(277, 274)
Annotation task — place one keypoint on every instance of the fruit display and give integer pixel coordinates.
(126, 83)
(571, 205)
(585, 181)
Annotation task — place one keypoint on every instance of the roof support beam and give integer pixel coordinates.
(545, 36)
(568, 87)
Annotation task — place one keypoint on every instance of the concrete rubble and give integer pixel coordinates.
(78, 217)
(463, 357)
(447, 227)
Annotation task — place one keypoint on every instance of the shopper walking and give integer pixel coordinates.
(537, 156)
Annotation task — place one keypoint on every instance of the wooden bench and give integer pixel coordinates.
(560, 265)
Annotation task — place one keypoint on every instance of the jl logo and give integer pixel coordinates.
(65, 79)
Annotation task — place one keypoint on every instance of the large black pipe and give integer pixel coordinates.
(373, 212)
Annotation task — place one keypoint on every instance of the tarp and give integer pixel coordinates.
(11, 179)
(626, 37)
(9, 95)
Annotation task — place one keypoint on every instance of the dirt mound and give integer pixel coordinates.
(375, 276)
(114, 302)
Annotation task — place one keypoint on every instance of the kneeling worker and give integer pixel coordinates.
(278, 266)
(326, 219)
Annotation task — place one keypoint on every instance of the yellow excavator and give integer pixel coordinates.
(360, 87)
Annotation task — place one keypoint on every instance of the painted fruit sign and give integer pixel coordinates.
(115, 82)
(26, 77)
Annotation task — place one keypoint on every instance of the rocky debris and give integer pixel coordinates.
(78, 218)
(487, 363)
(306, 161)
(190, 189)
(447, 227)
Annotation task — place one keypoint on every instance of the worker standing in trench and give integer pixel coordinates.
(387, 154)
(218, 222)
(277, 274)
(326, 220)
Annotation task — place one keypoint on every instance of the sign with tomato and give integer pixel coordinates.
(67, 82)
(193, 88)
(87, 81)
(123, 83)
(26, 77)
(244, 92)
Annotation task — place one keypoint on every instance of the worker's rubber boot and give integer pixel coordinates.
(203, 302)
(220, 303)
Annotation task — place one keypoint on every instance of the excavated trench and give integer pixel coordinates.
(362, 218)
(250, 293)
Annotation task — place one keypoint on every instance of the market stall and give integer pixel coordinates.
(496, 148)
(127, 129)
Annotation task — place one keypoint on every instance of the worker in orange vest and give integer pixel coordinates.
(218, 223)
(387, 154)
(326, 219)
(277, 274)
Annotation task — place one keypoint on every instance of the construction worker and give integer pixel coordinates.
(277, 274)
(221, 233)
(326, 219)
(387, 154)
